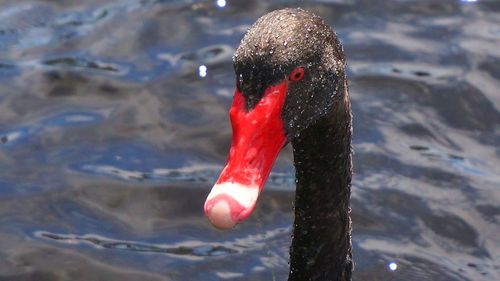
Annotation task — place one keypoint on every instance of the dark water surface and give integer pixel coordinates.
(112, 133)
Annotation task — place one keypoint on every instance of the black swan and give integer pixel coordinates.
(291, 87)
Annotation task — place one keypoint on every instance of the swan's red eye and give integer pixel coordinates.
(297, 74)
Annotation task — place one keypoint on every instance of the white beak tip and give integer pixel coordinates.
(220, 215)
(229, 203)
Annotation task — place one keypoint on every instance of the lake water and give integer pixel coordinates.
(114, 126)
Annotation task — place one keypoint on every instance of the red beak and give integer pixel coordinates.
(258, 136)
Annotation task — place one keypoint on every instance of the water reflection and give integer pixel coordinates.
(221, 3)
(202, 71)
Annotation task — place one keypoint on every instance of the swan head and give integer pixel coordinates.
(289, 68)
(280, 45)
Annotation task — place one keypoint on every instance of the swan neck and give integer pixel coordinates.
(321, 244)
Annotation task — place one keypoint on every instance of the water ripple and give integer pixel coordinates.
(186, 248)
(189, 174)
(64, 119)
(81, 63)
(200, 250)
